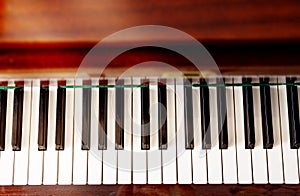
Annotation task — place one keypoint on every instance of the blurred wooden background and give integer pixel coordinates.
(242, 36)
(92, 20)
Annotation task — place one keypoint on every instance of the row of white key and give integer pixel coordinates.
(239, 165)
(233, 165)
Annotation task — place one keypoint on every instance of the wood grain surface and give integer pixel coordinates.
(64, 58)
(92, 20)
(153, 190)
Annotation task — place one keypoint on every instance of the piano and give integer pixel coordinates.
(149, 131)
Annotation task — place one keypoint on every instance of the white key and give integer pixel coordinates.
(243, 155)
(65, 158)
(229, 155)
(21, 157)
(51, 155)
(94, 155)
(7, 156)
(214, 157)
(198, 154)
(259, 154)
(110, 155)
(139, 156)
(124, 156)
(35, 175)
(184, 159)
(290, 158)
(298, 90)
(169, 154)
(154, 154)
(79, 156)
(275, 154)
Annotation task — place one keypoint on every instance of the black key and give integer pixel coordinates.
(222, 114)
(60, 119)
(102, 131)
(86, 116)
(205, 115)
(43, 117)
(266, 114)
(119, 116)
(17, 119)
(248, 114)
(3, 106)
(293, 110)
(162, 115)
(188, 115)
(145, 101)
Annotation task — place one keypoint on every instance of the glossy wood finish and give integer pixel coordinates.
(236, 57)
(252, 37)
(92, 20)
(153, 190)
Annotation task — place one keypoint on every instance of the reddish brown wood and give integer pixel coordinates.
(92, 20)
(232, 57)
(153, 190)
(40, 35)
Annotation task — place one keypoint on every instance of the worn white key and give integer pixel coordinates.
(229, 155)
(214, 157)
(35, 170)
(124, 156)
(184, 159)
(275, 166)
(139, 157)
(79, 156)
(51, 155)
(110, 155)
(7, 156)
(94, 155)
(243, 155)
(21, 157)
(298, 90)
(169, 154)
(198, 154)
(290, 158)
(259, 154)
(65, 162)
(154, 154)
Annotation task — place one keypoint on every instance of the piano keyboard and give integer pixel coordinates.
(150, 131)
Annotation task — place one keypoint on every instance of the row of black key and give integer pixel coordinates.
(205, 115)
(267, 126)
(16, 139)
(266, 114)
